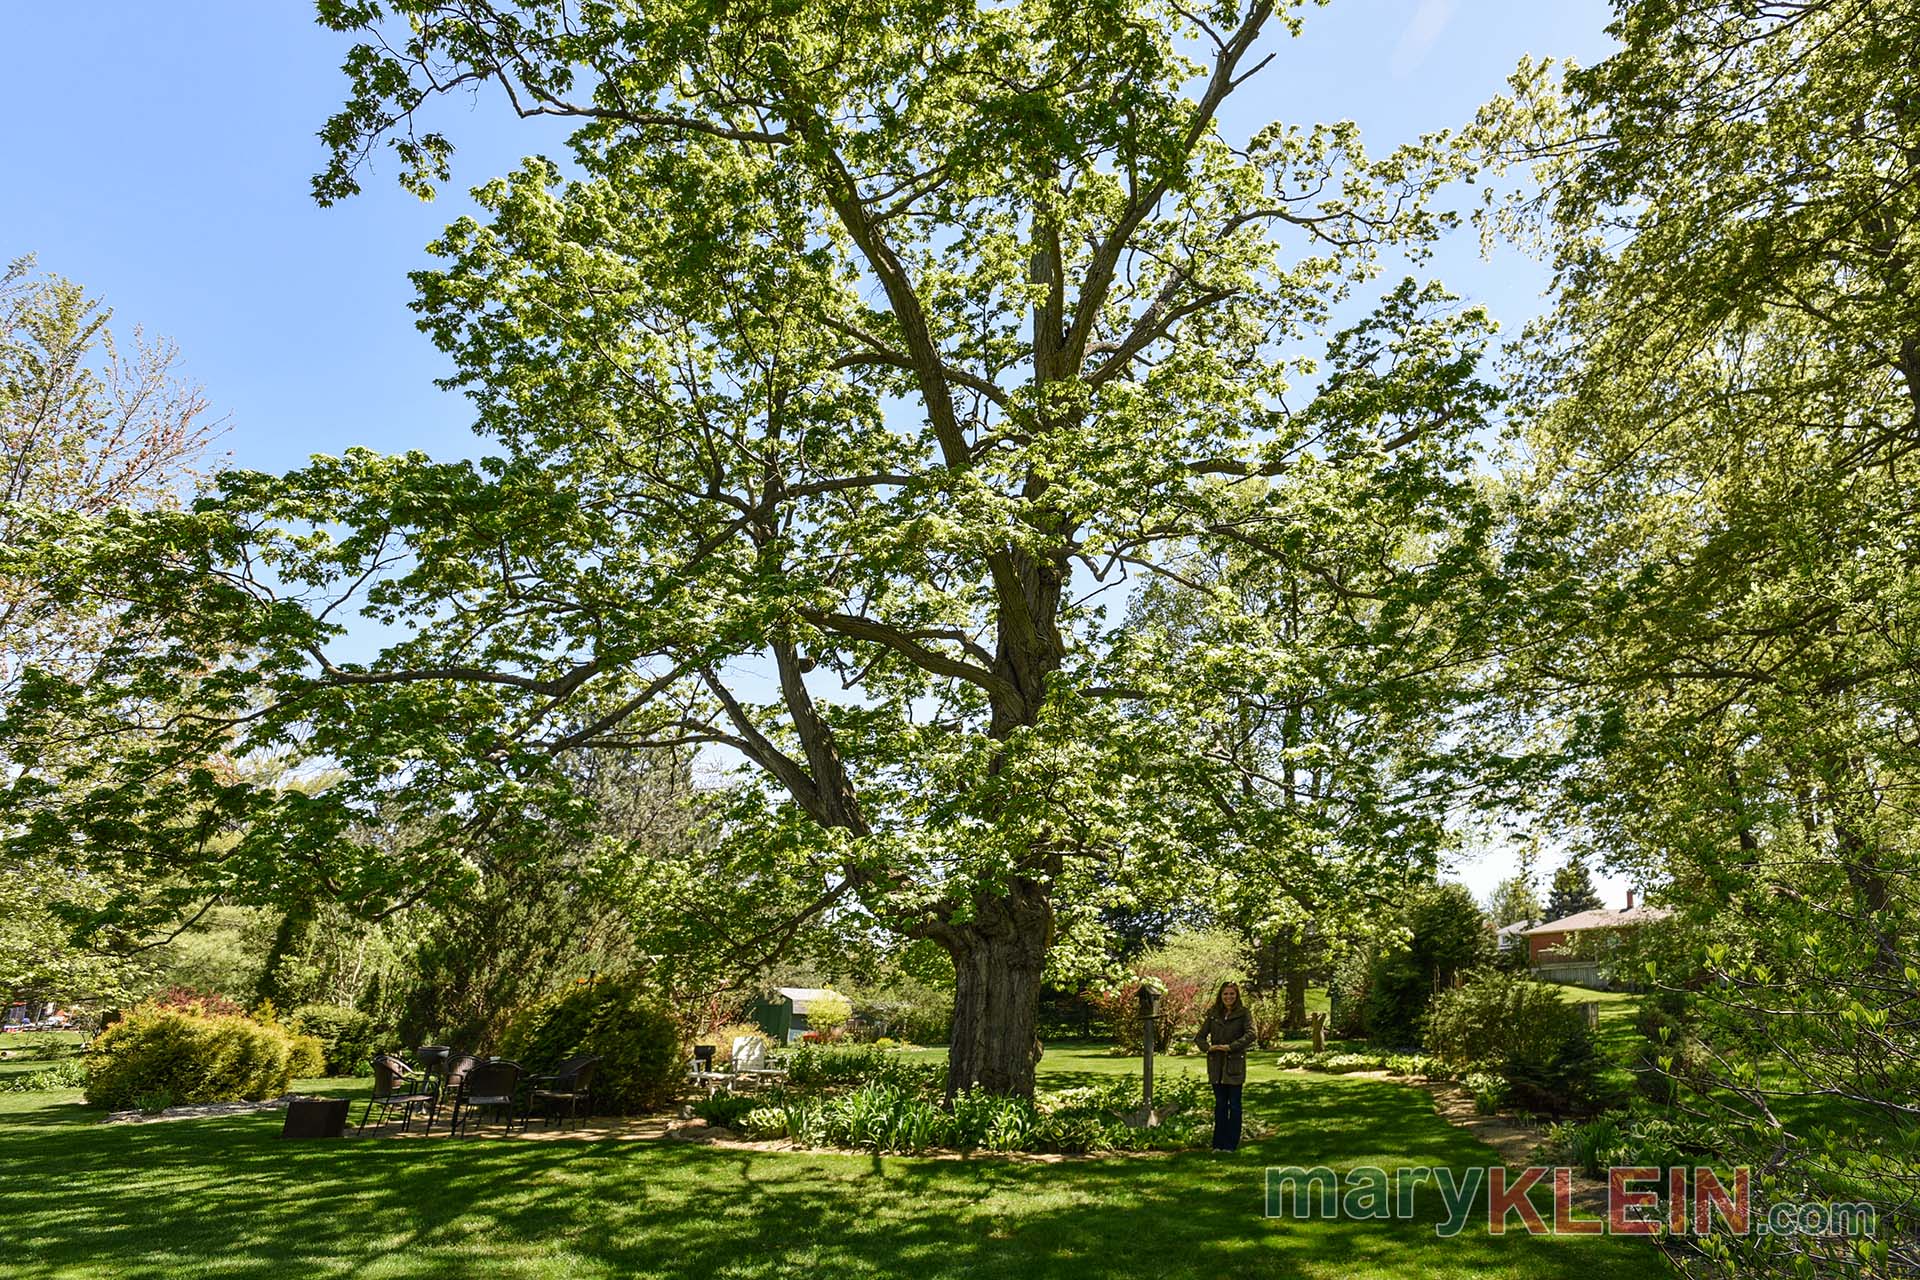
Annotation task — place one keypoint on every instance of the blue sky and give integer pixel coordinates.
(160, 155)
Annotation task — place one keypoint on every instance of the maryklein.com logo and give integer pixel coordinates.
(1639, 1200)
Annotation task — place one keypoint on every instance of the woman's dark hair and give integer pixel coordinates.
(1218, 1009)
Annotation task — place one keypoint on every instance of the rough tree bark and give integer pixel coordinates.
(1297, 995)
(997, 959)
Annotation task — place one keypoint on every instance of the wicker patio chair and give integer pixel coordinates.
(493, 1086)
(396, 1086)
(453, 1089)
(569, 1086)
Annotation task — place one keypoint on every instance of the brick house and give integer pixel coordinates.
(1549, 945)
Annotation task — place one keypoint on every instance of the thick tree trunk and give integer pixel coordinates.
(997, 958)
(1297, 995)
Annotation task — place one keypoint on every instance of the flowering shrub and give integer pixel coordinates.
(1181, 999)
(203, 1004)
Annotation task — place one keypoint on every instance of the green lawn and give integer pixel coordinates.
(225, 1197)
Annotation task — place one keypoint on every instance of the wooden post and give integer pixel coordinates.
(1149, 1015)
(1318, 1022)
(1146, 1074)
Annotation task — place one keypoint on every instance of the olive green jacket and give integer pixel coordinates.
(1235, 1030)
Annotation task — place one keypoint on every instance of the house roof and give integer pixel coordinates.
(1604, 918)
(804, 996)
(1512, 930)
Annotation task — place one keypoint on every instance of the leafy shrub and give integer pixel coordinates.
(727, 1109)
(205, 1004)
(308, 1058)
(618, 1020)
(346, 1036)
(70, 1073)
(190, 1057)
(1480, 1023)
(829, 1014)
(1557, 1065)
(1489, 1091)
(1528, 1033)
(881, 1116)
(1269, 1019)
(1347, 995)
(1631, 1138)
(817, 1066)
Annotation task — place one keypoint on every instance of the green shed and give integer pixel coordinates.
(782, 1012)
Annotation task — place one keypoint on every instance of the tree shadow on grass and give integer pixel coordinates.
(226, 1195)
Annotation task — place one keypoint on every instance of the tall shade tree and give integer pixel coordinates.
(1328, 656)
(1724, 406)
(87, 423)
(853, 355)
(1513, 901)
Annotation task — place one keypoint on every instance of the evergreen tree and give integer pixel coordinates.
(1573, 891)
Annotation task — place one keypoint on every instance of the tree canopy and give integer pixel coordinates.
(1723, 407)
(846, 371)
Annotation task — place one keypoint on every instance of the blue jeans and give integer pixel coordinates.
(1226, 1117)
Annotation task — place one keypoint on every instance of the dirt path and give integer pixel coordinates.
(1514, 1142)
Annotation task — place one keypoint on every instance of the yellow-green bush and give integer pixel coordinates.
(309, 1058)
(185, 1057)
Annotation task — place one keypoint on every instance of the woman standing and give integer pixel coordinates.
(1226, 1033)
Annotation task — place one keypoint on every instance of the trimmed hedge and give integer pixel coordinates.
(172, 1056)
(828, 1067)
(309, 1058)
